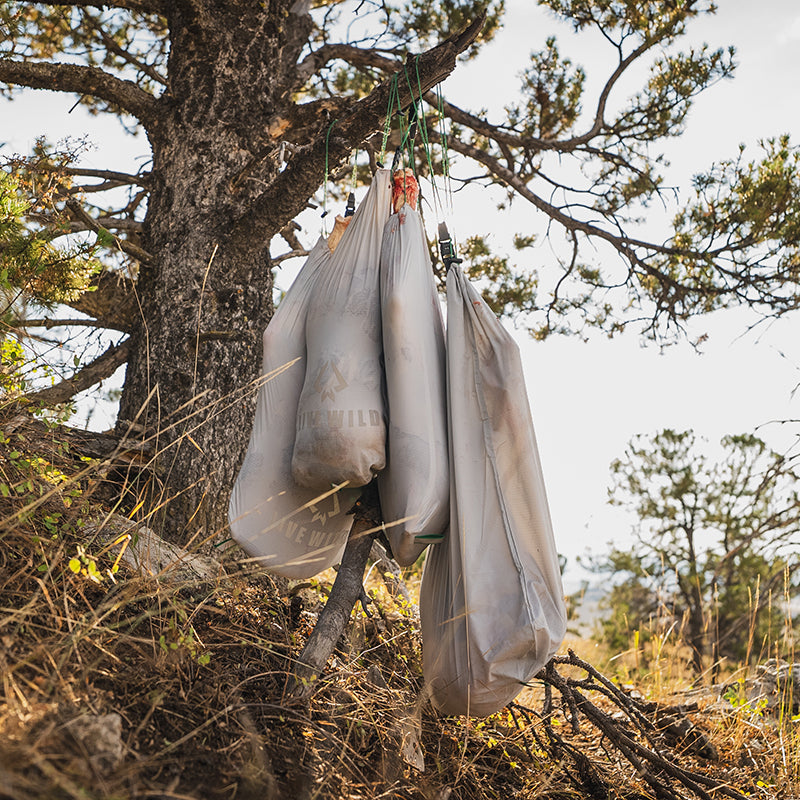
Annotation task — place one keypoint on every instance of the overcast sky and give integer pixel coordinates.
(588, 399)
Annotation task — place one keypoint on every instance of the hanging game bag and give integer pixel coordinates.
(491, 600)
(415, 484)
(341, 427)
(291, 530)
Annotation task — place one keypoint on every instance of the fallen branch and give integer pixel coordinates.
(640, 739)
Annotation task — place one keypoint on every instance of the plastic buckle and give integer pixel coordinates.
(447, 248)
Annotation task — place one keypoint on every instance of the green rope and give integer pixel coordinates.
(448, 186)
(325, 184)
(423, 126)
(387, 126)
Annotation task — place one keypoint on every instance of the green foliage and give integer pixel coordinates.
(552, 89)
(423, 23)
(506, 289)
(713, 557)
(641, 19)
(12, 362)
(30, 262)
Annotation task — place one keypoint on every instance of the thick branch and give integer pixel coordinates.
(86, 377)
(81, 80)
(287, 194)
(345, 593)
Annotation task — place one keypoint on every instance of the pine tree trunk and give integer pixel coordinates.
(207, 297)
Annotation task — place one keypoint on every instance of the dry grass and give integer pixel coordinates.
(179, 689)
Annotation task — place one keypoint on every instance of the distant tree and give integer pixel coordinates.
(716, 545)
(243, 105)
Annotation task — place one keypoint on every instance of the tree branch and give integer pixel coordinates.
(142, 6)
(110, 224)
(286, 196)
(86, 377)
(143, 179)
(47, 322)
(113, 47)
(139, 253)
(345, 593)
(81, 80)
(356, 56)
(623, 244)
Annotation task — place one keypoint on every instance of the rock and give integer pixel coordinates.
(776, 684)
(100, 737)
(147, 553)
(774, 691)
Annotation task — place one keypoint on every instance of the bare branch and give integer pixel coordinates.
(92, 224)
(623, 244)
(345, 593)
(275, 260)
(110, 224)
(86, 377)
(47, 322)
(113, 47)
(290, 237)
(143, 179)
(142, 6)
(356, 56)
(81, 80)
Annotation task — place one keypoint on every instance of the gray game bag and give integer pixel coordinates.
(341, 417)
(415, 485)
(491, 604)
(292, 531)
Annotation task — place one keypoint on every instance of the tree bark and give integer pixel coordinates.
(207, 295)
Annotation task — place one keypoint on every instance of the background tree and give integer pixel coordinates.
(715, 545)
(242, 104)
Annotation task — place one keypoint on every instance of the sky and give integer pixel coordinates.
(589, 398)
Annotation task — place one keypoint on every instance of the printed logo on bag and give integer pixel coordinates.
(302, 534)
(329, 381)
(339, 418)
(324, 516)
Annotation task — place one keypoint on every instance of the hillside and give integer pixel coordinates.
(132, 672)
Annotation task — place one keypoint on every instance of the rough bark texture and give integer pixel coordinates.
(217, 198)
(208, 295)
